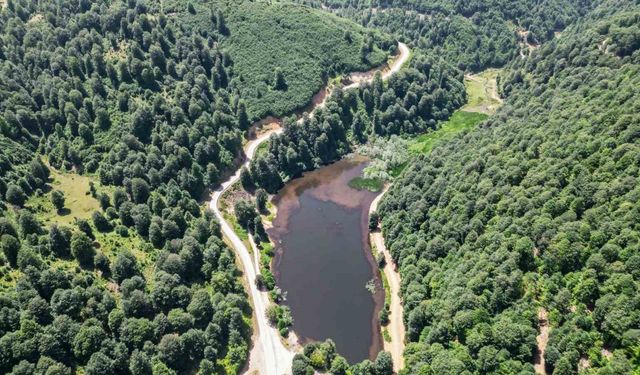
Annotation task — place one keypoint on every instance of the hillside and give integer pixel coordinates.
(473, 35)
(536, 209)
(308, 46)
(116, 117)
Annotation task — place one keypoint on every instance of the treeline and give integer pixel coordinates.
(323, 357)
(473, 34)
(536, 209)
(410, 102)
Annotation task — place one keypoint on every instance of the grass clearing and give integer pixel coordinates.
(372, 184)
(459, 121)
(262, 149)
(78, 200)
(482, 92)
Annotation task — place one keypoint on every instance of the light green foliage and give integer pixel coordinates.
(308, 46)
(372, 184)
(387, 155)
(460, 121)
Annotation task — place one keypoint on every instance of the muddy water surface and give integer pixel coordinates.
(324, 260)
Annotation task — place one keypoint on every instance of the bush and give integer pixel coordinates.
(15, 195)
(82, 249)
(57, 199)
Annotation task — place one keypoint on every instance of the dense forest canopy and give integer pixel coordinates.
(473, 35)
(535, 210)
(149, 101)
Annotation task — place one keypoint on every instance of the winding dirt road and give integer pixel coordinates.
(396, 312)
(269, 354)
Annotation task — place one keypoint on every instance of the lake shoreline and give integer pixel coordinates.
(337, 192)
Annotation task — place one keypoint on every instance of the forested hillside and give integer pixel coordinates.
(535, 210)
(473, 35)
(410, 102)
(115, 117)
(307, 46)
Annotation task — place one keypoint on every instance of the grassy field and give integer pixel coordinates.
(372, 184)
(482, 102)
(482, 92)
(78, 200)
(80, 204)
(458, 122)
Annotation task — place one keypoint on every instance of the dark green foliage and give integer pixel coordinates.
(60, 241)
(261, 200)
(322, 356)
(82, 249)
(473, 35)
(279, 82)
(10, 247)
(139, 190)
(536, 206)
(245, 212)
(57, 199)
(15, 195)
(100, 222)
(125, 266)
(374, 219)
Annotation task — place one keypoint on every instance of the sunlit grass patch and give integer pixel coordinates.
(458, 122)
(372, 184)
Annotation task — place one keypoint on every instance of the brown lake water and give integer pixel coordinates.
(324, 261)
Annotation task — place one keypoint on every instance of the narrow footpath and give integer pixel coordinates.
(541, 340)
(396, 324)
(269, 355)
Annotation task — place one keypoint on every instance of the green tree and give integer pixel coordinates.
(279, 83)
(82, 249)
(139, 190)
(88, 341)
(15, 195)
(10, 247)
(384, 364)
(125, 266)
(57, 199)
(261, 200)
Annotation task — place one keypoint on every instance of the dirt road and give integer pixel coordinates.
(269, 354)
(396, 325)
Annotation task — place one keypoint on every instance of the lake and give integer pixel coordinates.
(323, 259)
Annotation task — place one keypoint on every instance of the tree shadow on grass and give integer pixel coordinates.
(63, 211)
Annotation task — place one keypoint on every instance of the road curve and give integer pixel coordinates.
(396, 324)
(274, 357)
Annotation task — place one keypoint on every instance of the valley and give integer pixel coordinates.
(340, 187)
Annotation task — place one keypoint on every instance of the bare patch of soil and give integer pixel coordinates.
(542, 339)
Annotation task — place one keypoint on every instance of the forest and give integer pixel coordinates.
(473, 35)
(117, 117)
(535, 210)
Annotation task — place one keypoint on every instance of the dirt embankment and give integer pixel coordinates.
(396, 325)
